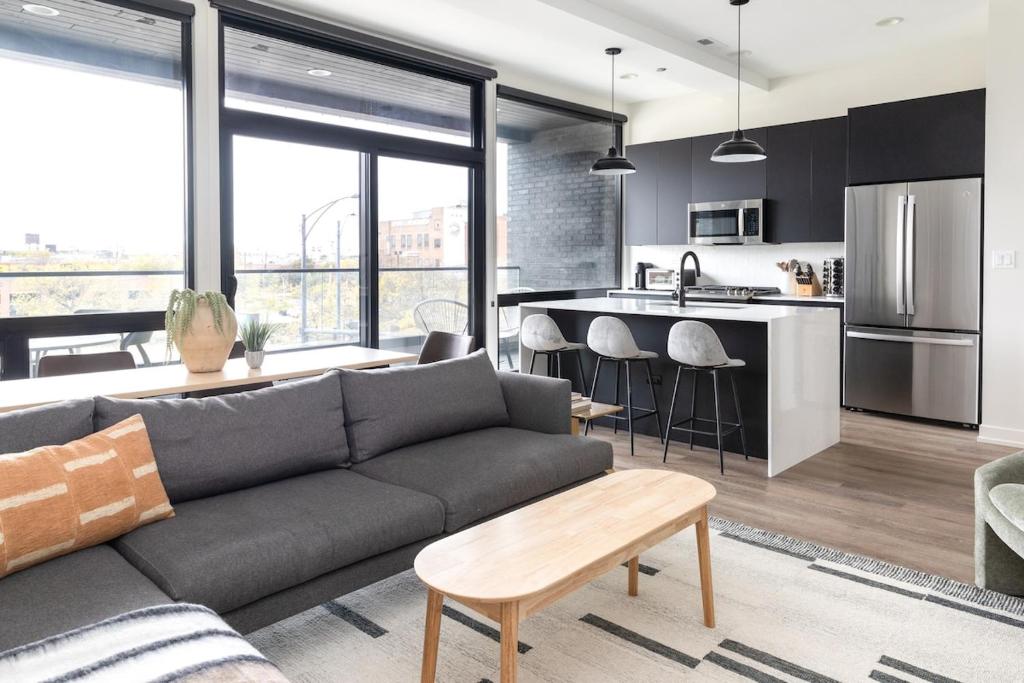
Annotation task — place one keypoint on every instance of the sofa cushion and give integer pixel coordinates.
(479, 473)
(1009, 500)
(69, 592)
(394, 407)
(214, 445)
(55, 500)
(229, 550)
(58, 423)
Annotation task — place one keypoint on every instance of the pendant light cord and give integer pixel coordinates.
(612, 113)
(739, 56)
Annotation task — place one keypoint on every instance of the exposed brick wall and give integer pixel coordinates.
(562, 221)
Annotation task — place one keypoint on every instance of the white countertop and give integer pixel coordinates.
(820, 300)
(755, 313)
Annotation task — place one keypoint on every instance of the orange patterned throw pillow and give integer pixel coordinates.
(58, 499)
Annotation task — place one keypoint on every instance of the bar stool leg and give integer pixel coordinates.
(618, 402)
(629, 408)
(558, 364)
(739, 415)
(654, 398)
(718, 424)
(579, 364)
(593, 390)
(693, 403)
(671, 411)
(533, 359)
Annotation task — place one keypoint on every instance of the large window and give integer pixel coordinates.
(558, 227)
(297, 239)
(355, 189)
(423, 247)
(94, 216)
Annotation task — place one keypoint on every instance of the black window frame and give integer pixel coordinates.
(370, 144)
(584, 113)
(15, 333)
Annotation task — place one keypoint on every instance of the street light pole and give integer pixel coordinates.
(320, 212)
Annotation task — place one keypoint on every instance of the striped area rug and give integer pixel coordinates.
(787, 610)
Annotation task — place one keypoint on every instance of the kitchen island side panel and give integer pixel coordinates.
(744, 340)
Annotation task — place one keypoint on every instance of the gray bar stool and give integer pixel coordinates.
(541, 335)
(611, 340)
(696, 348)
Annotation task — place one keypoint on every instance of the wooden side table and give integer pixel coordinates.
(592, 412)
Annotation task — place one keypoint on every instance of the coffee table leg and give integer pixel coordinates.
(431, 636)
(704, 557)
(634, 576)
(509, 640)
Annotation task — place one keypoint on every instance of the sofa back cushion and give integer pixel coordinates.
(58, 499)
(224, 443)
(394, 407)
(58, 423)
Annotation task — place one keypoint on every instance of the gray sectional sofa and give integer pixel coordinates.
(293, 495)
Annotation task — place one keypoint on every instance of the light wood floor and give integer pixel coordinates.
(891, 489)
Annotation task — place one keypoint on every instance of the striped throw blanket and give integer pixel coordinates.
(179, 642)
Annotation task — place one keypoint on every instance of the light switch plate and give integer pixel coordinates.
(1004, 259)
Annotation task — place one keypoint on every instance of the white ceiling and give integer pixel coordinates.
(562, 41)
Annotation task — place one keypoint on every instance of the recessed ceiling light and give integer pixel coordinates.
(320, 73)
(661, 69)
(889, 21)
(741, 53)
(705, 42)
(40, 10)
(629, 76)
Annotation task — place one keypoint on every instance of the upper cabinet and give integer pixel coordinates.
(828, 180)
(788, 205)
(640, 217)
(806, 181)
(714, 181)
(674, 182)
(921, 139)
(658, 194)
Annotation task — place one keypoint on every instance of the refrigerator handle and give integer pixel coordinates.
(911, 239)
(901, 230)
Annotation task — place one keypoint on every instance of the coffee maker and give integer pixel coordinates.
(640, 277)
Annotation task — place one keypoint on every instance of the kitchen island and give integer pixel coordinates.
(789, 389)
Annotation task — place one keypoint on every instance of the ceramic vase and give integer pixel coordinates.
(204, 348)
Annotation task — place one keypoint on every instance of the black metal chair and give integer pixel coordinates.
(78, 363)
(697, 349)
(445, 346)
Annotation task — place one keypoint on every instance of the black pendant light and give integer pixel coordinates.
(739, 149)
(613, 163)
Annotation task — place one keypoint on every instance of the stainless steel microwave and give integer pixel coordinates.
(737, 222)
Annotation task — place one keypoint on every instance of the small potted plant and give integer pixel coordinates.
(202, 326)
(255, 334)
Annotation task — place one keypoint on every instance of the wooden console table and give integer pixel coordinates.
(175, 379)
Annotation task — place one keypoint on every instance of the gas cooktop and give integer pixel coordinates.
(729, 292)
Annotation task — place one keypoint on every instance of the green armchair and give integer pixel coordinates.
(999, 525)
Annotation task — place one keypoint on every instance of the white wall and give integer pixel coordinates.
(942, 69)
(1003, 331)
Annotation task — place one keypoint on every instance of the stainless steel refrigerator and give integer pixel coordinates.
(913, 299)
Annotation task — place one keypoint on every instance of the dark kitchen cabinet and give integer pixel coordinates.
(674, 179)
(715, 181)
(640, 225)
(828, 180)
(920, 139)
(788, 206)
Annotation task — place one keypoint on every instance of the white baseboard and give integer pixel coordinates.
(1001, 436)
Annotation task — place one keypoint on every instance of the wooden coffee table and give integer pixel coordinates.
(513, 566)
